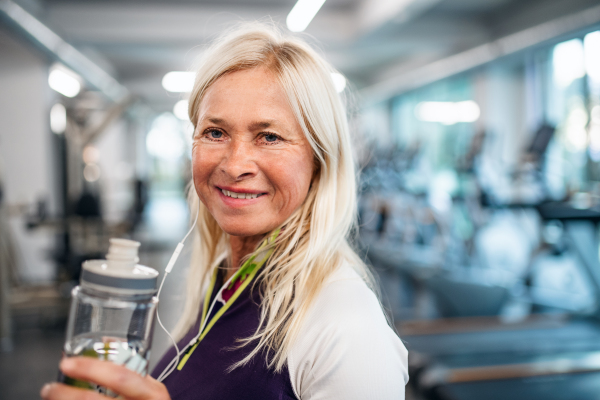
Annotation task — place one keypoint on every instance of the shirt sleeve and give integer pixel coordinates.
(346, 350)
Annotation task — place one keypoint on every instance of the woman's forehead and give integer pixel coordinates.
(253, 94)
(259, 81)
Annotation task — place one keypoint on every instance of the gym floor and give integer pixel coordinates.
(32, 362)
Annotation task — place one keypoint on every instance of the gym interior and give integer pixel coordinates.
(476, 127)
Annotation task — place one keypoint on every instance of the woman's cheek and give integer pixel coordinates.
(292, 185)
(200, 162)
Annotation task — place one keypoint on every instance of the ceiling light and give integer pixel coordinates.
(568, 62)
(58, 118)
(302, 13)
(591, 48)
(179, 81)
(446, 112)
(64, 81)
(467, 111)
(575, 128)
(181, 110)
(165, 144)
(339, 81)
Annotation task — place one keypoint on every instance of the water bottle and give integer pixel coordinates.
(112, 312)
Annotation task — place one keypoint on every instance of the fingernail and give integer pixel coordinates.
(67, 363)
(45, 390)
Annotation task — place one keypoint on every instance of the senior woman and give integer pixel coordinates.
(278, 306)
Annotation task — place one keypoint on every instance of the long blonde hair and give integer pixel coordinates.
(314, 240)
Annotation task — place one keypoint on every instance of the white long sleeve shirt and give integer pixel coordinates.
(346, 350)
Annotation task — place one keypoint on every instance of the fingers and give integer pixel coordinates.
(127, 383)
(58, 391)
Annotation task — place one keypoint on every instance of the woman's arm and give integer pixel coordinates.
(129, 384)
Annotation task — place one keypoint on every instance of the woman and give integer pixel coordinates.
(279, 306)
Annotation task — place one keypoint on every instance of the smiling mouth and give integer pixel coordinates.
(235, 195)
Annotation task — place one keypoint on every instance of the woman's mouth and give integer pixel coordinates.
(240, 195)
(232, 197)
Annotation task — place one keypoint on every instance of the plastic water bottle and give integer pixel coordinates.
(112, 312)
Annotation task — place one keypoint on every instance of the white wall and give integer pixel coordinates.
(25, 149)
(117, 166)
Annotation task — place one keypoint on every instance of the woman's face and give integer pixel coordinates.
(252, 163)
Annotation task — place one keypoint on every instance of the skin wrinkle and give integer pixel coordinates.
(242, 107)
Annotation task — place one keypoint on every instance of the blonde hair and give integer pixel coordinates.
(314, 240)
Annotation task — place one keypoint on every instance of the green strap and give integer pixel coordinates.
(208, 293)
(249, 270)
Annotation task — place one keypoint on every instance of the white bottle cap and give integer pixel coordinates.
(120, 270)
(123, 252)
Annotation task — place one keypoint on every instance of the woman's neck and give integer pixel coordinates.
(241, 246)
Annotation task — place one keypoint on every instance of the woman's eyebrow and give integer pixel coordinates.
(214, 120)
(268, 123)
(263, 124)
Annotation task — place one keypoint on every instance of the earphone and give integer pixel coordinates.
(175, 361)
(205, 317)
(168, 269)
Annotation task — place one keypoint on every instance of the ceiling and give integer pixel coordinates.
(138, 41)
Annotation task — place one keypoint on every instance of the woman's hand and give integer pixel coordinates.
(129, 384)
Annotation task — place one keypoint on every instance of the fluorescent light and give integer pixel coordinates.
(179, 81)
(302, 13)
(166, 144)
(595, 115)
(339, 81)
(467, 111)
(576, 134)
(568, 62)
(447, 113)
(165, 139)
(591, 48)
(58, 118)
(181, 110)
(64, 81)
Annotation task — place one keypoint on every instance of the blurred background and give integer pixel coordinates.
(477, 131)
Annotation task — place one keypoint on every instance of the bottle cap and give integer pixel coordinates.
(120, 271)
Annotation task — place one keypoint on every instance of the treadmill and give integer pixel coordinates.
(548, 357)
(545, 356)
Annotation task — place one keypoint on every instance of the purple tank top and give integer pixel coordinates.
(205, 375)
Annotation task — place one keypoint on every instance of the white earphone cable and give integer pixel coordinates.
(168, 269)
(175, 361)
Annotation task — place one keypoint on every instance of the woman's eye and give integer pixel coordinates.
(271, 138)
(214, 134)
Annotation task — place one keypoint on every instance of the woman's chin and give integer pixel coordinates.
(245, 231)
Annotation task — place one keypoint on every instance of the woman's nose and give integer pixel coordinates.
(239, 162)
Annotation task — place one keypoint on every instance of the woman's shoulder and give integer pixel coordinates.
(346, 298)
(345, 348)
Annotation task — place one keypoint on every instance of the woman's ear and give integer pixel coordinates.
(316, 169)
(316, 173)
